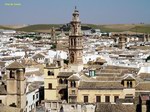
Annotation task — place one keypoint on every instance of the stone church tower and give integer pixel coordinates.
(76, 43)
(122, 41)
(16, 85)
(53, 35)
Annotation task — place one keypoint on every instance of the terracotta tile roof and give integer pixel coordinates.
(10, 58)
(65, 74)
(100, 60)
(84, 77)
(108, 85)
(140, 47)
(39, 55)
(111, 71)
(108, 74)
(94, 66)
(124, 69)
(2, 64)
(35, 73)
(15, 65)
(106, 78)
(144, 86)
(144, 76)
(35, 85)
(74, 77)
(28, 62)
(52, 66)
(125, 100)
(115, 108)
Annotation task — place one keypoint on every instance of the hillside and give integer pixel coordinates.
(123, 27)
(39, 27)
(141, 28)
(6, 28)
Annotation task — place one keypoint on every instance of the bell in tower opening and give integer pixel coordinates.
(75, 41)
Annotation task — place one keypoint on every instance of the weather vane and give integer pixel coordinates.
(75, 7)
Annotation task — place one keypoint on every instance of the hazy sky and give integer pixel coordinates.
(60, 11)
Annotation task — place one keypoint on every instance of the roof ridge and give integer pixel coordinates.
(15, 64)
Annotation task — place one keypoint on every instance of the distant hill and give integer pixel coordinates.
(39, 27)
(141, 28)
(5, 28)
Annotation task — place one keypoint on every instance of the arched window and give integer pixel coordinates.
(12, 74)
(72, 57)
(60, 81)
(50, 73)
(75, 42)
(71, 42)
(73, 84)
(128, 84)
(65, 81)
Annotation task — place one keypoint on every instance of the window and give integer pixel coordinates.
(50, 86)
(73, 84)
(107, 99)
(12, 74)
(74, 42)
(33, 97)
(50, 73)
(60, 81)
(36, 96)
(85, 99)
(58, 62)
(71, 42)
(98, 99)
(129, 84)
(65, 81)
(73, 91)
(115, 98)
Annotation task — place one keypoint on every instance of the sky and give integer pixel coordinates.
(60, 11)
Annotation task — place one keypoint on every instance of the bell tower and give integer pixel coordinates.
(53, 35)
(75, 40)
(16, 85)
